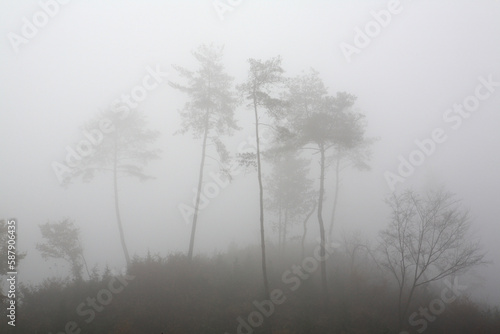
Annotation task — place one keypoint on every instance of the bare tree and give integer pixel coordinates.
(359, 252)
(426, 241)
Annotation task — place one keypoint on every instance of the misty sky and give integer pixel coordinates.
(429, 57)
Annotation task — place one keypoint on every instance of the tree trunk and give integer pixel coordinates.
(284, 229)
(400, 301)
(261, 202)
(305, 229)
(83, 258)
(322, 226)
(400, 308)
(117, 209)
(404, 311)
(198, 193)
(334, 210)
(279, 228)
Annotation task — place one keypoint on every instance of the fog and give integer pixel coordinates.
(426, 58)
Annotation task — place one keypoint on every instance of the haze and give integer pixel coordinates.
(429, 57)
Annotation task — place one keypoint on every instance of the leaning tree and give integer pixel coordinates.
(209, 112)
(62, 241)
(124, 150)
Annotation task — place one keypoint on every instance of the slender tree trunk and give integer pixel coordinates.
(335, 200)
(322, 226)
(261, 202)
(117, 209)
(305, 229)
(400, 301)
(83, 258)
(284, 229)
(400, 311)
(403, 313)
(86, 266)
(279, 228)
(413, 285)
(198, 193)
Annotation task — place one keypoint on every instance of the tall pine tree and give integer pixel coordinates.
(209, 113)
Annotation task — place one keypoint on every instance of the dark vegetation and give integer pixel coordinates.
(208, 294)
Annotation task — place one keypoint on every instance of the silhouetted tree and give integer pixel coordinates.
(319, 122)
(210, 111)
(425, 241)
(123, 150)
(313, 205)
(263, 78)
(62, 241)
